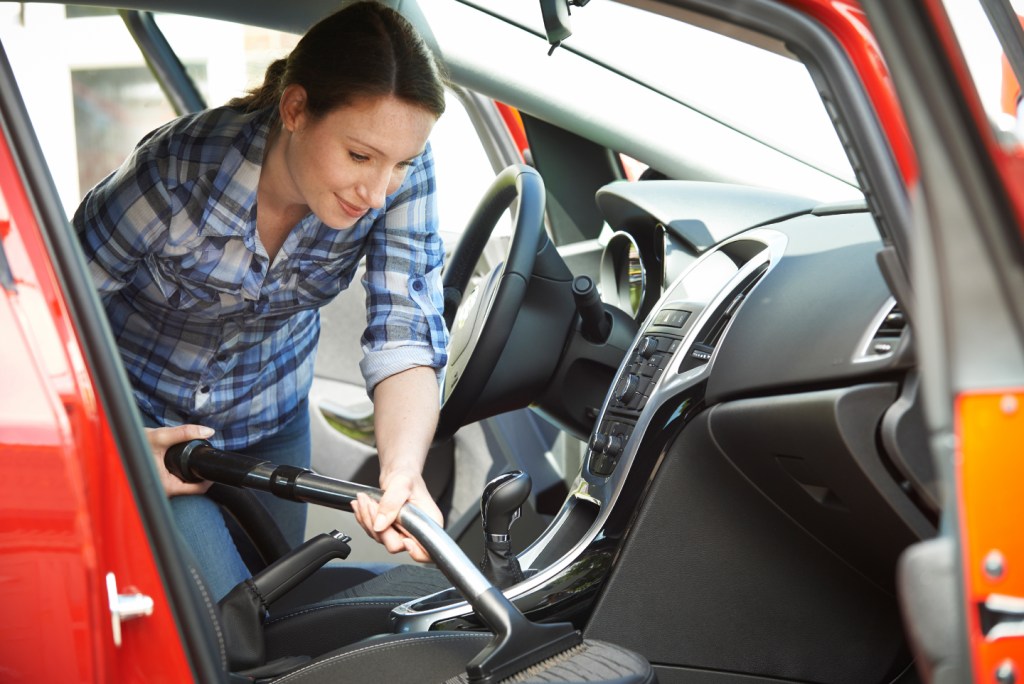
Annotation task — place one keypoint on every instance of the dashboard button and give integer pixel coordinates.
(647, 347)
(627, 388)
(671, 318)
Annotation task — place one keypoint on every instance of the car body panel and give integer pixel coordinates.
(67, 514)
(988, 477)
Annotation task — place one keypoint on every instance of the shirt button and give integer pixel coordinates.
(222, 356)
(417, 285)
(255, 266)
(204, 389)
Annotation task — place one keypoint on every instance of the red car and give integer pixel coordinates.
(779, 447)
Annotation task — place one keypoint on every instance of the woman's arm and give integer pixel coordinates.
(406, 407)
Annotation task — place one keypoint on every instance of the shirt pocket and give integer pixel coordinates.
(317, 280)
(205, 277)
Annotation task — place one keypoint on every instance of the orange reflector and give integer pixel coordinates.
(990, 491)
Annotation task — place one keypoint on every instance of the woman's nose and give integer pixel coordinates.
(375, 188)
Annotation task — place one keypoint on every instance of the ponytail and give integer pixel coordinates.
(268, 93)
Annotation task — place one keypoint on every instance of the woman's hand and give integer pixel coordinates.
(405, 418)
(160, 440)
(379, 519)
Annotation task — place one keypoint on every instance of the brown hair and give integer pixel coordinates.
(364, 49)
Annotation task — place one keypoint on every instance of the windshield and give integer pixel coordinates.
(760, 90)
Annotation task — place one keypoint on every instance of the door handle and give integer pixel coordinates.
(124, 607)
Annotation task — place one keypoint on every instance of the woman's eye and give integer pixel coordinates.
(356, 157)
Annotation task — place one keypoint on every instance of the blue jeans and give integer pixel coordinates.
(201, 523)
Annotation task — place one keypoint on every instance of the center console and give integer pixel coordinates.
(657, 387)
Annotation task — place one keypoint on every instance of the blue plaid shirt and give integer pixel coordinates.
(209, 330)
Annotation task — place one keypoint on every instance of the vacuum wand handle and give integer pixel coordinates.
(197, 460)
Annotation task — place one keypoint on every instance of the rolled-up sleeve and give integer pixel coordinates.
(404, 295)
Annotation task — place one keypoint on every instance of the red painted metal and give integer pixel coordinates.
(989, 470)
(514, 124)
(847, 22)
(1007, 160)
(67, 513)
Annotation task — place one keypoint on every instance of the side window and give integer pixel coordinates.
(463, 170)
(93, 99)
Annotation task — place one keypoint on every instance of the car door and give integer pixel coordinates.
(963, 590)
(85, 528)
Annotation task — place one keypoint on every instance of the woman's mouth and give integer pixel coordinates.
(351, 210)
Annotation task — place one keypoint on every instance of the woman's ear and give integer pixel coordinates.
(292, 107)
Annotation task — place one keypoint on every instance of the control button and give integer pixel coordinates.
(601, 465)
(611, 444)
(699, 355)
(627, 388)
(671, 318)
(895, 319)
(607, 445)
(652, 366)
(647, 347)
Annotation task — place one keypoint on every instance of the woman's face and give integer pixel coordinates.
(345, 163)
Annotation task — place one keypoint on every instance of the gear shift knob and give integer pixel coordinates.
(501, 503)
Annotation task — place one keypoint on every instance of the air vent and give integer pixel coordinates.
(712, 331)
(887, 331)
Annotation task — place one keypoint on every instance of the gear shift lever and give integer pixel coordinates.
(500, 506)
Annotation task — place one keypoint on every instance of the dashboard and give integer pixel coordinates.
(767, 345)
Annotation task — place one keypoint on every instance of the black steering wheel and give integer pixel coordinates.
(480, 323)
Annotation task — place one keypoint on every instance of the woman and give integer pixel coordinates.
(219, 238)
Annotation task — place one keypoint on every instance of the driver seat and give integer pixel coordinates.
(427, 657)
(441, 656)
(337, 604)
(301, 605)
(323, 612)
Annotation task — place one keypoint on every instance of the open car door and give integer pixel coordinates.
(963, 592)
(90, 562)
